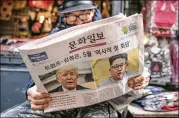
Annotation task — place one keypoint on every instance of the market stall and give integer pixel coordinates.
(160, 98)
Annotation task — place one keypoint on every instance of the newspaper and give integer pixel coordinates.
(87, 64)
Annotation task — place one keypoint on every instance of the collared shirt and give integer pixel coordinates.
(109, 81)
(65, 90)
(121, 102)
(122, 83)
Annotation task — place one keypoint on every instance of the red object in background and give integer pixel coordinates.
(143, 12)
(165, 13)
(171, 107)
(36, 27)
(162, 35)
(43, 4)
(174, 51)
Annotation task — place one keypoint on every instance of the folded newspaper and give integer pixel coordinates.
(87, 64)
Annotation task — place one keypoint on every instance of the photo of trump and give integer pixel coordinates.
(67, 77)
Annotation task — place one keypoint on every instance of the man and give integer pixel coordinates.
(67, 76)
(77, 13)
(118, 64)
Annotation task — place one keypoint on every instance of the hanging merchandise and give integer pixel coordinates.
(40, 22)
(19, 4)
(161, 32)
(146, 39)
(165, 13)
(24, 28)
(163, 17)
(43, 4)
(174, 50)
(42, 18)
(163, 42)
(98, 2)
(36, 28)
(47, 25)
(105, 6)
(106, 9)
(54, 17)
(147, 14)
(158, 61)
(32, 15)
(6, 10)
(143, 12)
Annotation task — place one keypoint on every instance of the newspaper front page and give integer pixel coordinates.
(87, 64)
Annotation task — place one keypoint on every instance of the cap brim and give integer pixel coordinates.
(78, 8)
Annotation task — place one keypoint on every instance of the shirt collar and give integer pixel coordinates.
(114, 80)
(65, 90)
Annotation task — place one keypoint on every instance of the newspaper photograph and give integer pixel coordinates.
(89, 64)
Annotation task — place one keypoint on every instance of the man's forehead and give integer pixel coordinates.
(78, 12)
(67, 68)
(119, 60)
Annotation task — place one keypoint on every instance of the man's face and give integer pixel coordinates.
(68, 79)
(118, 68)
(79, 17)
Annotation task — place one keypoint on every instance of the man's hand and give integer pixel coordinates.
(138, 82)
(38, 101)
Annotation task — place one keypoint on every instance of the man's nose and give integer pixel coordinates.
(119, 68)
(78, 21)
(69, 76)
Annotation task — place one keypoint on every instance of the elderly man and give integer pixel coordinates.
(74, 12)
(67, 76)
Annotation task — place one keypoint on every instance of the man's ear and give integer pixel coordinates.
(127, 64)
(58, 79)
(126, 67)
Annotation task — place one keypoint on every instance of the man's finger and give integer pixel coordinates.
(134, 77)
(41, 102)
(29, 98)
(41, 92)
(139, 79)
(131, 86)
(38, 96)
(143, 85)
(137, 85)
(137, 88)
(38, 107)
(147, 79)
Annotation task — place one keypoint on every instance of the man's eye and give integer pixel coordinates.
(121, 65)
(64, 75)
(71, 73)
(71, 17)
(115, 66)
(83, 16)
